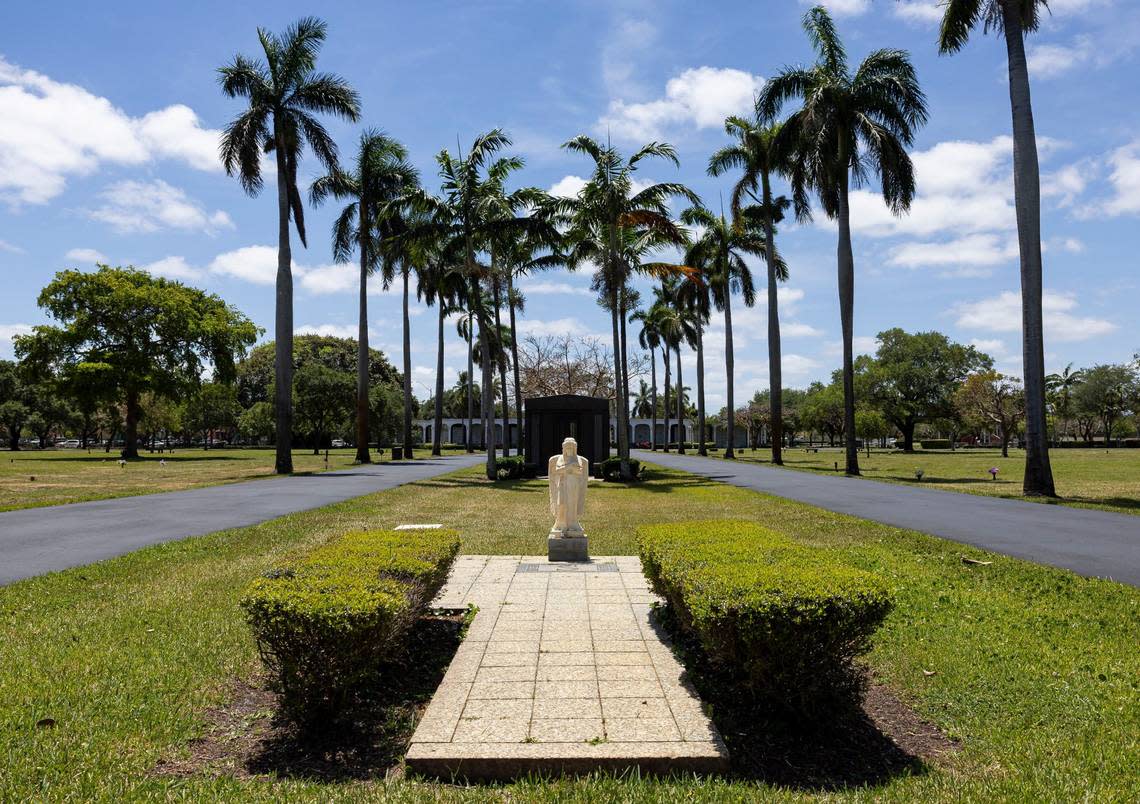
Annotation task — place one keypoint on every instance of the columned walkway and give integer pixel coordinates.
(1094, 543)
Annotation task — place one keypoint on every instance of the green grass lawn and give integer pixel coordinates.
(1085, 478)
(66, 476)
(1035, 670)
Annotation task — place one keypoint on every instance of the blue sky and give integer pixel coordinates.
(108, 127)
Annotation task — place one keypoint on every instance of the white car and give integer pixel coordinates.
(338, 443)
(71, 443)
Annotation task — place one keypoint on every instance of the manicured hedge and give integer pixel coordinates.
(783, 620)
(323, 623)
(511, 468)
(935, 443)
(611, 469)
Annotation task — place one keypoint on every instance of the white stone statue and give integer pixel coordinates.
(569, 475)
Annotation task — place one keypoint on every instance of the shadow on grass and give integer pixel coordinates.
(864, 743)
(247, 737)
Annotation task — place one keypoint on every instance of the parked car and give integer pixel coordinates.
(70, 443)
(338, 443)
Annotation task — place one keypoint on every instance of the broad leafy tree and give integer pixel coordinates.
(138, 332)
(381, 174)
(991, 400)
(1014, 19)
(913, 377)
(851, 126)
(14, 402)
(285, 93)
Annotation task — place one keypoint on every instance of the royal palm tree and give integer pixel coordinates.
(1014, 19)
(649, 337)
(285, 94)
(678, 327)
(381, 174)
(850, 126)
(756, 155)
(442, 285)
(643, 401)
(609, 222)
(1062, 385)
(720, 254)
(692, 300)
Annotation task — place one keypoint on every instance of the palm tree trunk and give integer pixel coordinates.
(665, 408)
(846, 262)
(775, 368)
(624, 368)
(470, 381)
(407, 370)
(283, 318)
(362, 454)
(701, 450)
(1027, 201)
(502, 371)
(621, 404)
(437, 425)
(653, 412)
(487, 415)
(515, 359)
(680, 405)
(729, 450)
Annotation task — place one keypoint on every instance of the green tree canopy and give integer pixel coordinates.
(137, 333)
(913, 376)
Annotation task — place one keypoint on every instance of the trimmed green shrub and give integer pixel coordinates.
(935, 443)
(511, 468)
(782, 620)
(323, 623)
(611, 469)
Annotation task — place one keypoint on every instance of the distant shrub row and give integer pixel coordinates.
(323, 624)
(784, 621)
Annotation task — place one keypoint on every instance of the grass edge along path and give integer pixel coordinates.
(1034, 669)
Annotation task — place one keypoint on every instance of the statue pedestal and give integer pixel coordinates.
(567, 548)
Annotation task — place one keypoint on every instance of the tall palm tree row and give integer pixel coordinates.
(1014, 19)
(441, 284)
(612, 225)
(755, 153)
(850, 125)
(649, 338)
(285, 93)
(381, 175)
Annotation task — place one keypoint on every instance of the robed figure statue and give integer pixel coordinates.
(569, 474)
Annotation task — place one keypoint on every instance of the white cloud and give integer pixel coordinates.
(567, 187)
(173, 268)
(10, 247)
(1073, 245)
(1003, 314)
(1051, 60)
(10, 331)
(700, 96)
(333, 330)
(85, 255)
(1067, 183)
(332, 278)
(971, 250)
(920, 11)
(547, 288)
(135, 206)
(257, 264)
(558, 326)
(861, 344)
(840, 8)
(1124, 164)
(794, 329)
(50, 131)
(991, 346)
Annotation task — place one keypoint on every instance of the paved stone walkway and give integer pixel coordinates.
(1100, 544)
(562, 671)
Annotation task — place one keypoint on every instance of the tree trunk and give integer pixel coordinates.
(283, 320)
(907, 429)
(131, 435)
(1027, 200)
(407, 369)
(470, 381)
(730, 448)
(502, 371)
(680, 406)
(436, 435)
(846, 262)
(775, 371)
(665, 408)
(624, 367)
(362, 436)
(621, 403)
(1004, 442)
(488, 413)
(515, 360)
(701, 449)
(653, 397)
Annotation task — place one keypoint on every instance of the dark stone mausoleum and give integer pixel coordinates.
(550, 419)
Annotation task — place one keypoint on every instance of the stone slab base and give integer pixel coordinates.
(567, 548)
